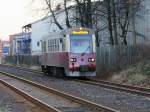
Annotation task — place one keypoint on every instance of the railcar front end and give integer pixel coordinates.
(82, 56)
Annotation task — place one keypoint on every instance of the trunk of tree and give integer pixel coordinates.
(134, 31)
(126, 24)
(97, 38)
(133, 21)
(114, 23)
(109, 19)
(88, 14)
(67, 15)
(123, 21)
(125, 42)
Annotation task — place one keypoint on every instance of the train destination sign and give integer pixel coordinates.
(80, 32)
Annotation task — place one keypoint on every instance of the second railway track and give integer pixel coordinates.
(106, 84)
(120, 100)
(120, 87)
(51, 99)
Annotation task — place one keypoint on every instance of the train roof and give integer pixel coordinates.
(77, 29)
(59, 34)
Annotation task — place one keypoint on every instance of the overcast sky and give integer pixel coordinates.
(16, 13)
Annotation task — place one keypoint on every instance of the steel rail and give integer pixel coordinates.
(120, 87)
(96, 107)
(22, 68)
(30, 98)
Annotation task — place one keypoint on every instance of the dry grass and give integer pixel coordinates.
(132, 66)
(138, 75)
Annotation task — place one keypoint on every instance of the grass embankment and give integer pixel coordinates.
(137, 75)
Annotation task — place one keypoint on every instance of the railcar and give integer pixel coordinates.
(69, 53)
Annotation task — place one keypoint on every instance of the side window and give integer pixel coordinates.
(54, 45)
(44, 46)
(38, 43)
(63, 44)
(57, 44)
(49, 45)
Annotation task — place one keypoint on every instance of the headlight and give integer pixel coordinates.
(73, 60)
(91, 59)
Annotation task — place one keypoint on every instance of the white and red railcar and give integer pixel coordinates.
(71, 53)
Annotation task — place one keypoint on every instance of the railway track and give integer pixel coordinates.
(24, 68)
(106, 84)
(55, 101)
(30, 98)
(120, 87)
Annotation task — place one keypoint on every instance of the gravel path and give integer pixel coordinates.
(124, 102)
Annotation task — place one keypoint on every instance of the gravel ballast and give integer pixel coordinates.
(51, 99)
(124, 102)
(12, 102)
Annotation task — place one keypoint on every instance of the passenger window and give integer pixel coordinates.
(63, 45)
(38, 43)
(61, 40)
(44, 46)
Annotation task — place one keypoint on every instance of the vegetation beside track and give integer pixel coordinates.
(137, 75)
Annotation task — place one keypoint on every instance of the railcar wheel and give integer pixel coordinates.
(50, 70)
(44, 70)
(45, 73)
(60, 72)
(42, 67)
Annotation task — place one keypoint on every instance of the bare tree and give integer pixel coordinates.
(120, 14)
(79, 6)
(126, 12)
(135, 6)
(88, 13)
(116, 14)
(48, 2)
(123, 18)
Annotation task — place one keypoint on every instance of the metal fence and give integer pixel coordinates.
(111, 58)
(22, 60)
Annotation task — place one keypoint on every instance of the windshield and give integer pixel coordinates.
(81, 43)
